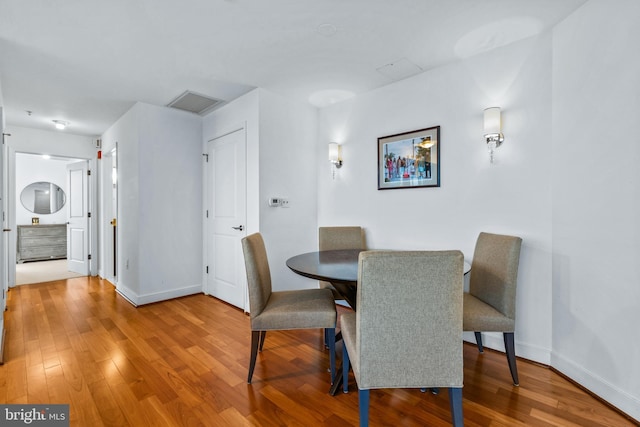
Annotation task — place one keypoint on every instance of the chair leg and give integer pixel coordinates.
(479, 342)
(255, 343)
(363, 405)
(510, 349)
(455, 402)
(263, 335)
(345, 369)
(330, 334)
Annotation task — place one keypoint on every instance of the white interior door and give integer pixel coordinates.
(227, 217)
(78, 218)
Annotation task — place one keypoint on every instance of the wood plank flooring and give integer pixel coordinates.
(184, 363)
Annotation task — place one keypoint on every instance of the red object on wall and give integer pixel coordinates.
(99, 154)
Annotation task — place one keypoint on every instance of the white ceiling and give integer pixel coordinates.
(89, 61)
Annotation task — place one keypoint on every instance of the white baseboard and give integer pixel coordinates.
(137, 300)
(622, 400)
(127, 294)
(495, 341)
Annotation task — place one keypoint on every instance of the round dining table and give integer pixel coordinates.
(338, 267)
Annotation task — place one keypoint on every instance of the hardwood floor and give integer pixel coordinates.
(184, 362)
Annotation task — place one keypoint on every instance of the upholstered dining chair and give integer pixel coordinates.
(407, 329)
(337, 238)
(490, 304)
(283, 310)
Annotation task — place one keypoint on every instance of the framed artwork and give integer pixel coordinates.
(409, 160)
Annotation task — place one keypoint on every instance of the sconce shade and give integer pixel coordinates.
(493, 130)
(334, 153)
(492, 123)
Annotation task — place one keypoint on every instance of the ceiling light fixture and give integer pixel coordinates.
(60, 124)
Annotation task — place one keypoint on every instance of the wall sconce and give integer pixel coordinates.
(335, 156)
(493, 129)
(60, 124)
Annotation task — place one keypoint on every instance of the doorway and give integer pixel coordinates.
(108, 221)
(40, 215)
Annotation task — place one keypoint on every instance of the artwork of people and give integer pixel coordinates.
(408, 160)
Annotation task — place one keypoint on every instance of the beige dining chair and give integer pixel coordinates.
(337, 238)
(490, 304)
(283, 310)
(407, 329)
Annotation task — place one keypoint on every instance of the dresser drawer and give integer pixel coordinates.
(43, 231)
(41, 242)
(43, 252)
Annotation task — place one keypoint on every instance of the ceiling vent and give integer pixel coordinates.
(194, 103)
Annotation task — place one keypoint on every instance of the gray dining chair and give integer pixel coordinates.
(283, 310)
(490, 304)
(337, 238)
(407, 329)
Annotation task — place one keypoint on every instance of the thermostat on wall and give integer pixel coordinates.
(275, 201)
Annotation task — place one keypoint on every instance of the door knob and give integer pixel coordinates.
(240, 228)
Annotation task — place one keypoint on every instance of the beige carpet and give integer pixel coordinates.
(43, 271)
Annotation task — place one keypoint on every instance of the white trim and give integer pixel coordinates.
(495, 341)
(137, 300)
(127, 294)
(621, 399)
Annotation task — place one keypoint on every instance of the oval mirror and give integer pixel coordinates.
(43, 198)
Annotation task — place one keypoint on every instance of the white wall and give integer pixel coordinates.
(288, 135)
(170, 188)
(124, 133)
(159, 206)
(58, 143)
(281, 162)
(512, 196)
(30, 169)
(596, 200)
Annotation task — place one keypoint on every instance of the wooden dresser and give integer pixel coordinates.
(41, 242)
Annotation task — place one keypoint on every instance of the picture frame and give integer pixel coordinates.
(409, 159)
